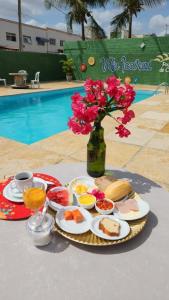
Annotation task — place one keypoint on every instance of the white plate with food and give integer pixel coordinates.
(109, 228)
(131, 209)
(81, 185)
(14, 195)
(59, 197)
(73, 219)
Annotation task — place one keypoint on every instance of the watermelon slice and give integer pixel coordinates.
(59, 196)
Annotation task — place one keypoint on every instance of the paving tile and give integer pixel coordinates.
(159, 141)
(156, 115)
(64, 143)
(150, 102)
(151, 163)
(138, 136)
(165, 129)
(149, 124)
(8, 146)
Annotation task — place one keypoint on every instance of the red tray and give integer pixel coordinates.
(17, 211)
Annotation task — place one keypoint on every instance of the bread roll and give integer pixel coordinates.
(117, 190)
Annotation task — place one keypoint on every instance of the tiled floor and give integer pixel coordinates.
(146, 152)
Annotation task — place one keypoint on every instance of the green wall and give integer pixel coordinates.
(48, 65)
(122, 58)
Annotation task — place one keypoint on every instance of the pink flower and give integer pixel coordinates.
(91, 113)
(122, 131)
(79, 127)
(89, 85)
(77, 98)
(128, 115)
(98, 194)
(112, 86)
(102, 99)
(90, 98)
(99, 84)
(85, 113)
(79, 110)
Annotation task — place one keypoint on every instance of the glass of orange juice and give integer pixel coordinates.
(34, 198)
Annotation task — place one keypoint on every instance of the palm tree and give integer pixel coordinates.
(78, 12)
(131, 8)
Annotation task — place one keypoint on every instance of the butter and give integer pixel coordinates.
(86, 199)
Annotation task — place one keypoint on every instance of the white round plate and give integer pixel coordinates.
(144, 209)
(124, 228)
(89, 181)
(56, 206)
(72, 226)
(8, 193)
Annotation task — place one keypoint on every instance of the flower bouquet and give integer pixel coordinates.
(102, 99)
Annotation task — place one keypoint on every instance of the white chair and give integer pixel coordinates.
(3, 80)
(36, 82)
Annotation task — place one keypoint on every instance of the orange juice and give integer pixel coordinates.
(34, 197)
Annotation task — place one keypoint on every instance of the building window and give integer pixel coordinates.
(27, 40)
(61, 43)
(52, 41)
(10, 36)
(41, 41)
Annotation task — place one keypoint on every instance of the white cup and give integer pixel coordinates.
(22, 180)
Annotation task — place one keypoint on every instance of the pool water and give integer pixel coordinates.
(28, 118)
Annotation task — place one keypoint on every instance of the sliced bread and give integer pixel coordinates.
(109, 227)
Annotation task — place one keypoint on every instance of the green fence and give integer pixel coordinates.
(48, 64)
(145, 60)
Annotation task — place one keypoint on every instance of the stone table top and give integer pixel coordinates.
(138, 269)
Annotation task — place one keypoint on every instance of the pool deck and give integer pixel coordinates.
(145, 152)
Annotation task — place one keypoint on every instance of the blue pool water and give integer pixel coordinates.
(28, 118)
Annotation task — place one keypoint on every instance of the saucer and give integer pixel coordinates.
(17, 196)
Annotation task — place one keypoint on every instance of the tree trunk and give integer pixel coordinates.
(83, 31)
(20, 25)
(130, 24)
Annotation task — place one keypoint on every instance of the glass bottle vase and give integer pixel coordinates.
(96, 152)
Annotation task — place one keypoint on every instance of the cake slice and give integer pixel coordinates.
(109, 227)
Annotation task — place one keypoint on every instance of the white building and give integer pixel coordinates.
(35, 39)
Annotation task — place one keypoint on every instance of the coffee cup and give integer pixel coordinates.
(22, 180)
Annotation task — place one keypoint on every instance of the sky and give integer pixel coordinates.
(151, 20)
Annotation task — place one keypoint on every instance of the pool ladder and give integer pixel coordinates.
(163, 84)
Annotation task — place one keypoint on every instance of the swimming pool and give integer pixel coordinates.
(28, 118)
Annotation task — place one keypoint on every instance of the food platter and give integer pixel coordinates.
(90, 239)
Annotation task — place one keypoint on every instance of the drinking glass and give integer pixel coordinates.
(34, 198)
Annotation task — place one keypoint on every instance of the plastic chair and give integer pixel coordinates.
(3, 80)
(36, 82)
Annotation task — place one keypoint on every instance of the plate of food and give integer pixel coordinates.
(109, 228)
(59, 197)
(73, 219)
(114, 190)
(131, 209)
(81, 185)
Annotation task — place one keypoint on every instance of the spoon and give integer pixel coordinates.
(41, 219)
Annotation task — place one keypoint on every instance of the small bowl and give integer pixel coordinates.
(104, 211)
(87, 206)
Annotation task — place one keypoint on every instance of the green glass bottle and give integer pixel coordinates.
(96, 152)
